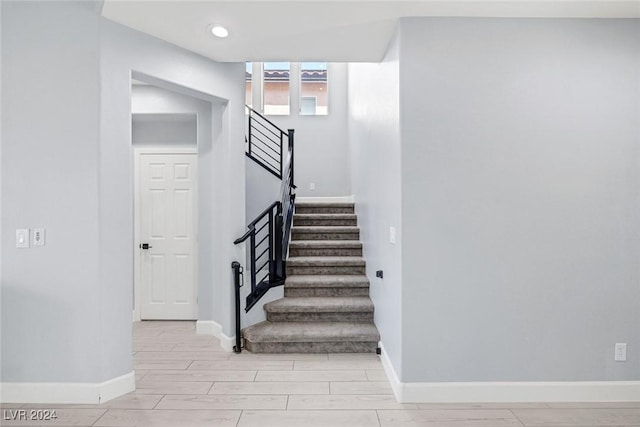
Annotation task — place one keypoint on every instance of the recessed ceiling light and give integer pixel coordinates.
(218, 31)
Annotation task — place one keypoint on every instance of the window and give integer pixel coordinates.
(313, 89)
(275, 88)
(248, 84)
(308, 105)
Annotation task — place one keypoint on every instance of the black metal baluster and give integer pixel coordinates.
(272, 275)
(282, 171)
(249, 131)
(252, 244)
(235, 265)
(278, 242)
(291, 136)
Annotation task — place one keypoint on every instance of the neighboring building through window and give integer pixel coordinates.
(275, 88)
(314, 99)
(248, 84)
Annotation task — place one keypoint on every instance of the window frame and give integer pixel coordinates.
(263, 91)
(301, 94)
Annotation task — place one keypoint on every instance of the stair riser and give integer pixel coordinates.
(325, 222)
(323, 210)
(312, 347)
(296, 235)
(326, 292)
(325, 251)
(364, 317)
(325, 270)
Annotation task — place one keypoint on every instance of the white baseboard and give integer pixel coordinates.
(394, 381)
(117, 387)
(341, 199)
(227, 342)
(504, 392)
(68, 393)
(210, 327)
(538, 391)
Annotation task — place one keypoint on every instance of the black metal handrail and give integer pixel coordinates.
(287, 195)
(268, 235)
(265, 252)
(266, 143)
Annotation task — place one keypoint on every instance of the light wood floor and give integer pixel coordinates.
(186, 380)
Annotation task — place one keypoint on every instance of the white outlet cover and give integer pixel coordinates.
(392, 235)
(38, 237)
(620, 352)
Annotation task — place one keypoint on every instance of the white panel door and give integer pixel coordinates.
(168, 227)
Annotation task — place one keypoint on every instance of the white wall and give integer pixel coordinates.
(220, 158)
(67, 166)
(321, 143)
(263, 189)
(507, 154)
(165, 130)
(375, 149)
(520, 201)
(162, 117)
(51, 312)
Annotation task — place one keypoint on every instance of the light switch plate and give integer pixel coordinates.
(392, 235)
(38, 237)
(22, 238)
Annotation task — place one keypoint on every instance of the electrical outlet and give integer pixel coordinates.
(312, 186)
(38, 237)
(392, 235)
(621, 352)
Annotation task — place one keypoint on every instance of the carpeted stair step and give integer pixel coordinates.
(326, 286)
(325, 233)
(320, 309)
(325, 265)
(311, 337)
(326, 305)
(325, 248)
(325, 219)
(324, 208)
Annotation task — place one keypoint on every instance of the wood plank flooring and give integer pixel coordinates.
(188, 380)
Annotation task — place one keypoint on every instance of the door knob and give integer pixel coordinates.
(145, 246)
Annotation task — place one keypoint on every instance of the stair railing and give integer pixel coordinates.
(266, 143)
(264, 235)
(269, 232)
(287, 195)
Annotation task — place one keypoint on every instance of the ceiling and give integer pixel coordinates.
(332, 31)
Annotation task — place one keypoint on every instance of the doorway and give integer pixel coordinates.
(166, 234)
(170, 130)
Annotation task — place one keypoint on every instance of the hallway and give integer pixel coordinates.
(184, 379)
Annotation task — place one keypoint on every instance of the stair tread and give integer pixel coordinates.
(324, 204)
(321, 312)
(299, 261)
(325, 228)
(320, 305)
(341, 244)
(346, 281)
(311, 332)
(325, 215)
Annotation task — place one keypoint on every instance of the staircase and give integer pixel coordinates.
(326, 305)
